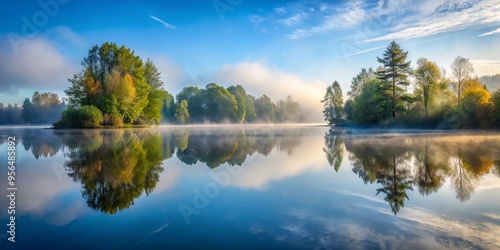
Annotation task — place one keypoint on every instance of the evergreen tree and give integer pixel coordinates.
(395, 72)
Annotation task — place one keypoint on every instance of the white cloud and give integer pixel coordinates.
(293, 20)
(402, 19)
(256, 19)
(257, 172)
(258, 79)
(281, 10)
(364, 51)
(486, 67)
(36, 65)
(445, 17)
(167, 25)
(346, 17)
(494, 32)
(43, 186)
(174, 76)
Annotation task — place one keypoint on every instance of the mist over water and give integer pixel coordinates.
(256, 186)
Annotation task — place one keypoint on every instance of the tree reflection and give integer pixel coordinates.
(463, 181)
(42, 143)
(386, 162)
(389, 160)
(114, 167)
(334, 148)
(431, 169)
(395, 183)
(232, 148)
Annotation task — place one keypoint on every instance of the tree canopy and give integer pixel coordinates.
(117, 82)
(397, 96)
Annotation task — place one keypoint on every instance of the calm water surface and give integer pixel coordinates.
(252, 187)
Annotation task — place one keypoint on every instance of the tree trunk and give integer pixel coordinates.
(393, 94)
(425, 104)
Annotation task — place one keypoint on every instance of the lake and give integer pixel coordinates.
(252, 187)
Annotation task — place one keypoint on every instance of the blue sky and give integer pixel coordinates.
(270, 47)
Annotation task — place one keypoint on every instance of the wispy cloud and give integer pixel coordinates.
(486, 67)
(346, 17)
(281, 10)
(293, 20)
(392, 22)
(167, 25)
(256, 19)
(446, 17)
(494, 32)
(365, 51)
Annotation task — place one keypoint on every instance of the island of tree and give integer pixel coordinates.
(382, 98)
(117, 89)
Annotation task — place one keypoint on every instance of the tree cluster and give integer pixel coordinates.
(217, 104)
(116, 88)
(10, 114)
(401, 163)
(119, 84)
(395, 95)
(43, 108)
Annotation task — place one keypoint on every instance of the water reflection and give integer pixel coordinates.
(114, 168)
(215, 148)
(400, 162)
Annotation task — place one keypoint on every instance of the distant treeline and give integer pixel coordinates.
(10, 114)
(382, 97)
(492, 82)
(217, 104)
(117, 89)
(43, 108)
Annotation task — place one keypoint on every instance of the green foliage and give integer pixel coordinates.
(43, 108)
(219, 104)
(427, 75)
(265, 109)
(193, 96)
(288, 110)
(373, 105)
(332, 102)
(168, 109)
(214, 103)
(182, 112)
(250, 114)
(360, 81)
(432, 103)
(495, 99)
(395, 73)
(11, 114)
(81, 117)
(125, 89)
(240, 95)
(461, 70)
(116, 169)
(152, 113)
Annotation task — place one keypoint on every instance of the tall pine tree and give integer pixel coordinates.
(395, 72)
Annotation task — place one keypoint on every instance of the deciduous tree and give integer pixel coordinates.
(461, 70)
